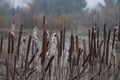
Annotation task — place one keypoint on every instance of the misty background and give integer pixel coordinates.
(75, 14)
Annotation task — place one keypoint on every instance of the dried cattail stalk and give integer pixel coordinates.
(101, 61)
(107, 47)
(78, 55)
(22, 62)
(101, 44)
(89, 39)
(19, 40)
(97, 37)
(33, 48)
(87, 58)
(83, 69)
(119, 34)
(77, 44)
(27, 78)
(84, 50)
(71, 49)
(1, 45)
(99, 49)
(113, 41)
(49, 63)
(33, 56)
(12, 43)
(44, 47)
(81, 72)
(9, 42)
(64, 37)
(92, 47)
(7, 71)
(73, 61)
(104, 33)
(60, 44)
(44, 22)
(13, 77)
(104, 46)
(27, 53)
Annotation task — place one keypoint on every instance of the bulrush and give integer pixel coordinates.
(93, 61)
(107, 47)
(84, 50)
(1, 45)
(71, 49)
(77, 43)
(64, 37)
(60, 46)
(14, 70)
(48, 65)
(54, 51)
(44, 47)
(78, 55)
(7, 69)
(33, 57)
(19, 40)
(12, 36)
(113, 40)
(27, 52)
(9, 43)
(104, 46)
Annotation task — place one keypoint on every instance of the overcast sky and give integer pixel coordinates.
(93, 3)
(24, 3)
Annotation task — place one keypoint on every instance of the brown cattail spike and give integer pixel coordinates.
(44, 22)
(19, 40)
(119, 32)
(1, 45)
(60, 45)
(77, 43)
(9, 43)
(12, 43)
(44, 47)
(71, 49)
(84, 51)
(107, 47)
(64, 37)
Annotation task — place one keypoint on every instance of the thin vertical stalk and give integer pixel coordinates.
(1, 45)
(44, 22)
(33, 49)
(71, 49)
(27, 53)
(107, 47)
(44, 47)
(19, 40)
(64, 36)
(13, 78)
(9, 42)
(12, 43)
(84, 50)
(60, 44)
(7, 71)
(77, 44)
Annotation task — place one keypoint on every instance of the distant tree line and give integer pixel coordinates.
(69, 13)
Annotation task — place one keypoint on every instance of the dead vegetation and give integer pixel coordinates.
(97, 59)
